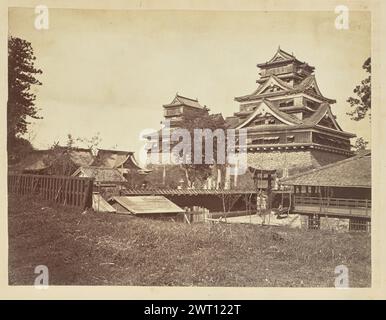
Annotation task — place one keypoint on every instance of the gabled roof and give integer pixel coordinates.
(81, 157)
(39, 160)
(100, 174)
(304, 86)
(111, 158)
(184, 101)
(291, 120)
(217, 117)
(273, 80)
(231, 121)
(117, 159)
(268, 107)
(282, 56)
(323, 110)
(352, 172)
(146, 204)
(308, 83)
(36, 160)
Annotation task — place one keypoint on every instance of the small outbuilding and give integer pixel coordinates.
(146, 206)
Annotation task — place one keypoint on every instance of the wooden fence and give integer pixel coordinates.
(65, 190)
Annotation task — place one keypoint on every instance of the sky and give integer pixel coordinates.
(111, 71)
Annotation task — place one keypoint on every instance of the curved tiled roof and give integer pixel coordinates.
(275, 111)
(100, 174)
(43, 159)
(288, 89)
(180, 100)
(351, 172)
(292, 120)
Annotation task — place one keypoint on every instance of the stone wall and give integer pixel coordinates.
(327, 223)
(337, 224)
(295, 161)
(322, 158)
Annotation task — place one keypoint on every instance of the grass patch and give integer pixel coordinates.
(107, 249)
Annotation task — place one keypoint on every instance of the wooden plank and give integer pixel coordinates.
(49, 188)
(73, 191)
(78, 193)
(72, 198)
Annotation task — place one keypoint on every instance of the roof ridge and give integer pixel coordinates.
(98, 167)
(272, 76)
(178, 95)
(313, 119)
(112, 150)
(306, 80)
(280, 81)
(280, 49)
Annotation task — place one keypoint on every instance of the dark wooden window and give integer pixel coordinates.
(290, 139)
(358, 224)
(288, 103)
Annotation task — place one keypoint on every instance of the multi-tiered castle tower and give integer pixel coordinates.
(291, 127)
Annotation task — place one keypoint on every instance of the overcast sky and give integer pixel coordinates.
(111, 71)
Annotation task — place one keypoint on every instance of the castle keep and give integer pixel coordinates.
(291, 127)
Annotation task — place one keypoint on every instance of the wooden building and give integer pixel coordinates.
(107, 177)
(55, 161)
(340, 192)
(123, 161)
(291, 126)
(181, 108)
(145, 206)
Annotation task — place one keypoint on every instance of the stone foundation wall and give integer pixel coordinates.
(337, 224)
(328, 223)
(322, 158)
(295, 161)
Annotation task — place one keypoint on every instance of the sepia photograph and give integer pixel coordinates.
(189, 148)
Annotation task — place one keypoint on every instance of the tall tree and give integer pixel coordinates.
(199, 172)
(361, 104)
(21, 99)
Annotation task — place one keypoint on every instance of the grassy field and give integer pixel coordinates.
(106, 249)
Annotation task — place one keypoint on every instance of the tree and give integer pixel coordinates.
(90, 143)
(360, 144)
(199, 173)
(21, 101)
(362, 103)
(18, 149)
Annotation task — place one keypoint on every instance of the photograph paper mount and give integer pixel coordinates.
(90, 209)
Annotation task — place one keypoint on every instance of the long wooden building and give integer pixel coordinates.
(336, 193)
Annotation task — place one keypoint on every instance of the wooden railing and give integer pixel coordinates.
(185, 192)
(333, 206)
(65, 190)
(334, 202)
